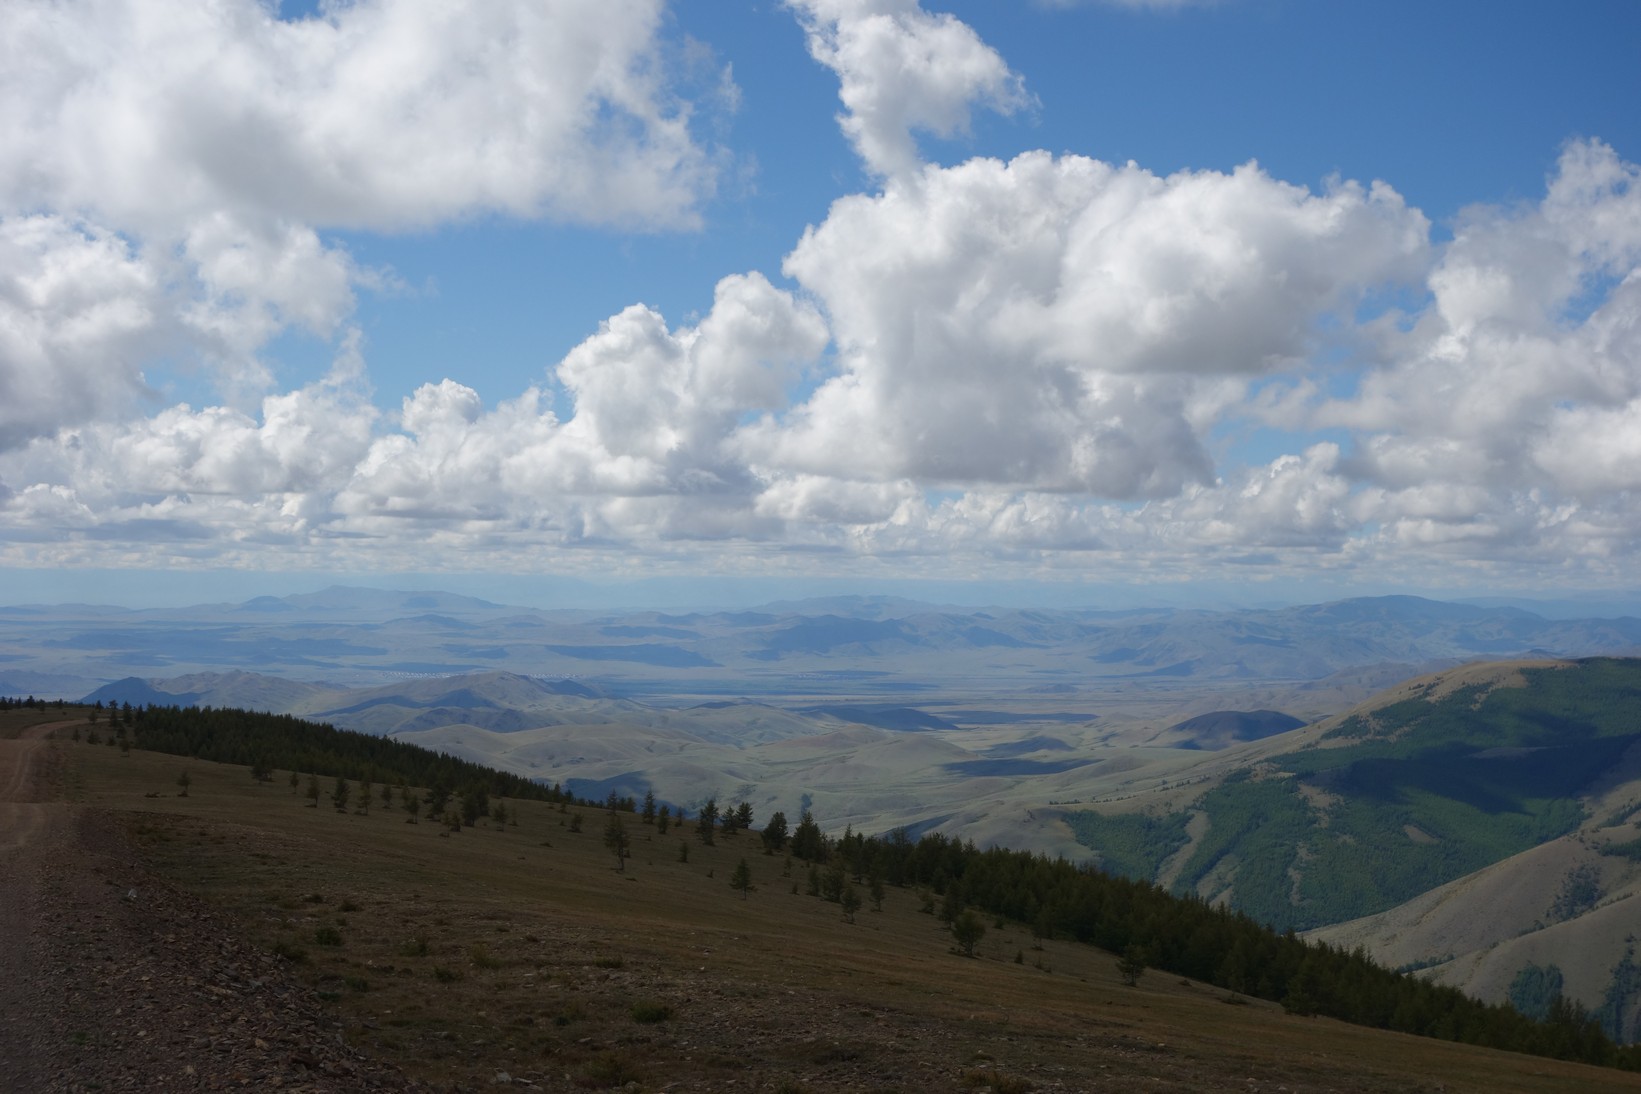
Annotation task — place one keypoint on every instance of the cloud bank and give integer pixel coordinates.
(1045, 363)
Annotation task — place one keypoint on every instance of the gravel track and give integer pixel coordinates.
(113, 981)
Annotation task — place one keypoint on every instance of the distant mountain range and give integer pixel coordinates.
(840, 647)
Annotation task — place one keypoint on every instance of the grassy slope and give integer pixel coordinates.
(1439, 779)
(545, 950)
(1478, 932)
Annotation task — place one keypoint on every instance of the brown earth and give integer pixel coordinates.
(110, 980)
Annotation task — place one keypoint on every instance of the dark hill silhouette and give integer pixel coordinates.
(1223, 728)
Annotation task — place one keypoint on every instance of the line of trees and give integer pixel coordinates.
(1189, 937)
(264, 742)
(10, 702)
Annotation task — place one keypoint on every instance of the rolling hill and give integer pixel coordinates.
(1474, 822)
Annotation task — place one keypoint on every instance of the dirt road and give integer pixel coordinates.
(110, 980)
(31, 833)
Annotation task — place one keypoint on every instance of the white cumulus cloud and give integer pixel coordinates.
(1045, 323)
(188, 154)
(902, 70)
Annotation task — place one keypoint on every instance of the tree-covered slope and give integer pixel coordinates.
(1455, 773)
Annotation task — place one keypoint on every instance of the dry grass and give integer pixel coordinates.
(522, 949)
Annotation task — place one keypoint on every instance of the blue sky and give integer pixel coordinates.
(329, 296)
(1454, 104)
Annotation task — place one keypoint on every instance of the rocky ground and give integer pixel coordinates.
(111, 981)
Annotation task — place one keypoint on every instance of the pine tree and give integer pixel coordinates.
(339, 795)
(663, 821)
(774, 833)
(475, 804)
(832, 881)
(312, 793)
(850, 899)
(648, 815)
(741, 879)
(967, 931)
(615, 838)
(807, 841)
(705, 822)
(1131, 965)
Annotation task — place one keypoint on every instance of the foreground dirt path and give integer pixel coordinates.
(31, 832)
(110, 980)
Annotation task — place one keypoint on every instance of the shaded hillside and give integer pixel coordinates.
(1561, 916)
(248, 690)
(1223, 728)
(1444, 777)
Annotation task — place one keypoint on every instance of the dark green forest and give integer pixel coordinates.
(1418, 793)
(280, 741)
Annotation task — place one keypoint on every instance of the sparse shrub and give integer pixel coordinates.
(569, 1013)
(995, 1081)
(650, 1012)
(607, 1070)
(614, 962)
(348, 906)
(482, 958)
(357, 983)
(444, 975)
(294, 954)
(327, 936)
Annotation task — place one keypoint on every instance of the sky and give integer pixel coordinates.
(1243, 301)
